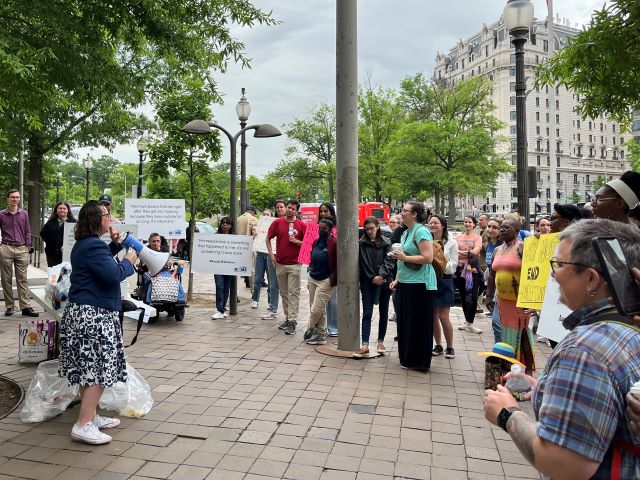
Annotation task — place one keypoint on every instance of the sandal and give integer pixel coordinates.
(362, 353)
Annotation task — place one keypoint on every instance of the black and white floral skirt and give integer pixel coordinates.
(91, 349)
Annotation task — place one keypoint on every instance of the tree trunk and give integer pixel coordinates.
(331, 191)
(437, 201)
(34, 209)
(452, 205)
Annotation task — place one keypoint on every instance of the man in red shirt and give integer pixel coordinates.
(288, 232)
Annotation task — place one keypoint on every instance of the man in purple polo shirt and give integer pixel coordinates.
(14, 252)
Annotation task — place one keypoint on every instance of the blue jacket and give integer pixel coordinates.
(95, 275)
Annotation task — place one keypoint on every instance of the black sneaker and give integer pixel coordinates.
(437, 350)
(449, 353)
(9, 312)
(283, 325)
(29, 312)
(317, 339)
(291, 329)
(309, 333)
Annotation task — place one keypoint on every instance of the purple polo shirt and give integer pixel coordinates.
(15, 227)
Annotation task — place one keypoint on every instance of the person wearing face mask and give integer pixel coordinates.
(327, 210)
(52, 232)
(323, 277)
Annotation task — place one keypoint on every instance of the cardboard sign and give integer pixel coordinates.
(552, 313)
(260, 242)
(68, 240)
(163, 216)
(223, 254)
(535, 270)
(310, 236)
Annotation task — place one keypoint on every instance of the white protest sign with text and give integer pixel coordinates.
(159, 215)
(260, 242)
(68, 240)
(552, 313)
(222, 254)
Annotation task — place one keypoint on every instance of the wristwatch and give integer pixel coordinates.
(505, 415)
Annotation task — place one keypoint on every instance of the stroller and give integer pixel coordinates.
(164, 292)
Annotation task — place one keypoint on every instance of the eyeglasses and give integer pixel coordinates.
(597, 199)
(392, 221)
(105, 214)
(555, 263)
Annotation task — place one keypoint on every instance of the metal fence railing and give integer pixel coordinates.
(38, 245)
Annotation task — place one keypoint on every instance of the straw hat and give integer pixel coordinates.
(504, 351)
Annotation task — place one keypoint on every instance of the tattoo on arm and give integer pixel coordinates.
(522, 429)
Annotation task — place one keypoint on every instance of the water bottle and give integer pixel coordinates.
(518, 383)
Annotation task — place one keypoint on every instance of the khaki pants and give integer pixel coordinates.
(319, 295)
(289, 283)
(17, 257)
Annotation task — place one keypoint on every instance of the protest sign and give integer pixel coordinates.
(222, 254)
(535, 269)
(68, 240)
(310, 236)
(260, 242)
(552, 313)
(159, 215)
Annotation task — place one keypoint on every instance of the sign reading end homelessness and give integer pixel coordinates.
(536, 269)
(223, 254)
(156, 215)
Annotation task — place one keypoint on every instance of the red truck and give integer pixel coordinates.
(309, 212)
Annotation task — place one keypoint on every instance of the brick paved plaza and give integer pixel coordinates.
(238, 399)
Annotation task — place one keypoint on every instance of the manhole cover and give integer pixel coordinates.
(366, 409)
(10, 396)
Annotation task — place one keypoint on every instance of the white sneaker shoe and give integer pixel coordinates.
(89, 433)
(471, 328)
(269, 316)
(105, 422)
(254, 304)
(218, 315)
(225, 315)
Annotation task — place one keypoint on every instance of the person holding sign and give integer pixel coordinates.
(91, 349)
(223, 282)
(581, 427)
(504, 280)
(289, 233)
(52, 232)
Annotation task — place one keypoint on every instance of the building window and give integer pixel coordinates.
(512, 115)
(590, 138)
(557, 118)
(513, 130)
(494, 62)
(601, 127)
(579, 137)
(514, 192)
(537, 116)
(537, 129)
(537, 101)
(512, 72)
(486, 50)
(514, 159)
(614, 140)
(538, 160)
(546, 102)
(548, 192)
(514, 144)
(537, 59)
(575, 178)
(512, 100)
(557, 132)
(587, 179)
(538, 146)
(590, 125)
(512, 58)
(512, 86)
(557, 176)
(547, 130)
(546, 115)
(578, 124)
(462, 63)
(545, 45)
(557, 162)
(557, 104)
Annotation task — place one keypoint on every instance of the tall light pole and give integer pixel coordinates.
(243, 109)
(142, 147)
(58, 184)
(518, 15)
(264, 130)
(88, 165)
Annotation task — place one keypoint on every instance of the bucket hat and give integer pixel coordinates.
(504, 351)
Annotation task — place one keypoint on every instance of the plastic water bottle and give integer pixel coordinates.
(518, 383)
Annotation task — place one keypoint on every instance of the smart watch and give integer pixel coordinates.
(505, 415)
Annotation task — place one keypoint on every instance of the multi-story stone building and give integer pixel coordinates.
(568, 152)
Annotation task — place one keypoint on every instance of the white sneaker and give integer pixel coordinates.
(254, 304)
(471, 328)
(225, 315)
(89, 433)
(463, 326)
(105, 422)
(217, 316)
(269, 316)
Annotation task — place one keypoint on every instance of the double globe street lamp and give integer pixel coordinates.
(518, 16)
(263, 130)
(88, 165)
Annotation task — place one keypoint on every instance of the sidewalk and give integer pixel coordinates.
(238, 399)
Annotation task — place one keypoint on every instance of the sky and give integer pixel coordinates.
(293, 63)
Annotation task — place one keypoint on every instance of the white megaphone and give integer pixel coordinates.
(155, 261)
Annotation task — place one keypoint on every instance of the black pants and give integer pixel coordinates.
(468, 297)
(415, 325)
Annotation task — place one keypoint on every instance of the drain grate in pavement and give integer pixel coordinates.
(366, 409)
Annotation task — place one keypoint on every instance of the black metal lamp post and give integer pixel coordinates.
(263, 130)
(58, 184)
(518, 15)
(142, 147)
(88, 165)
(243, 109)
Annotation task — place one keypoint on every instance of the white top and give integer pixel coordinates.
(451, 254)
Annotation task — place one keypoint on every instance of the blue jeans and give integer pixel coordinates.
(265, 265)
(332, 313)
(495, 321)
(368, 296)
(223, 286)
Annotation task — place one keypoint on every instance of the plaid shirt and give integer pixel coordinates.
(580, 399)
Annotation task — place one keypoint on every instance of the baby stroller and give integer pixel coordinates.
(164, 292)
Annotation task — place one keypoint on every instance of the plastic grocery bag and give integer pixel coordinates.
(48, 394)
(131, 398)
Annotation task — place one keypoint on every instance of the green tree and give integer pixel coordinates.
(314, 140)
(452, 142)
(299, 176)
(264, 192)
(74, 72)
(602, 63)
(380, 117)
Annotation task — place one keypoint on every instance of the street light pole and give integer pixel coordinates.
(264, 130)
(142, 147)
(88, 165)
(243, 109)
(518, 15)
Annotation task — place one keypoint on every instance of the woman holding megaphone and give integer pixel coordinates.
(91, 349)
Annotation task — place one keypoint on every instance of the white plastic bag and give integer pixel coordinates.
(131, 398)
(48, 394)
